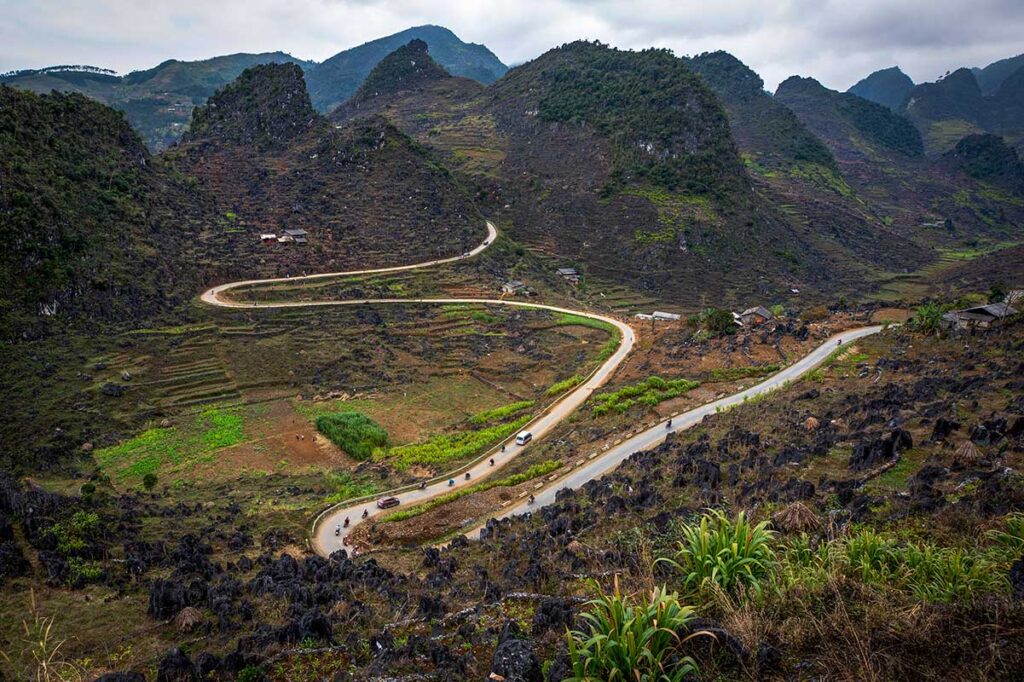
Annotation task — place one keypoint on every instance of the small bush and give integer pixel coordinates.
(626, 640)
(928, 318)
(353, 432)
(1012, 535)
(724, 553)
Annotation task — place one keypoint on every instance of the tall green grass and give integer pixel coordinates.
(353, 432)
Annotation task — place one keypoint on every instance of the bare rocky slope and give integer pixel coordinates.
(365, 193)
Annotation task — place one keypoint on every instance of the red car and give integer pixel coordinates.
(387, 502)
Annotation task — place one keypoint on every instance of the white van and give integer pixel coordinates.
(524, 438)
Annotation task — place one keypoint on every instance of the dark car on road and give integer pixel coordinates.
(387, 502)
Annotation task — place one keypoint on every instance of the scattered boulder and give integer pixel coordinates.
(515, 659)
(867, 455)
(1017, 579)
(176, 666)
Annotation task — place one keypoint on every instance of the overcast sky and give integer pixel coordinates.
(835, 41)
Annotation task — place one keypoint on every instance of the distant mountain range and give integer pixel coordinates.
(159, 101)
(964, 102)
(677, 178)
(336, 79)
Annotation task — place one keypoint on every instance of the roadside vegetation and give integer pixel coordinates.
(563, 385)
(736, 373)
(449, 447)
(535, 471)
(501, 412)
(649, 393)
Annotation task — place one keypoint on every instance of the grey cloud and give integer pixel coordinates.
(836, 41)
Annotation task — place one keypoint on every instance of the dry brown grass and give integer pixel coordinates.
(796, 518)
(967, 455)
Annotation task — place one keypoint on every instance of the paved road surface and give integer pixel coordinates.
(324, 539)
(587, 467)
(605, 461)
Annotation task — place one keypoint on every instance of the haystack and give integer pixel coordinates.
(967, 455)
(796, 518)
(187, 619)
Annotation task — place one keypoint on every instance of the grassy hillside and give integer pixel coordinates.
(880, 156)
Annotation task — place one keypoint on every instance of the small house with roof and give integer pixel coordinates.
(978, 317)
(570, 275)
(752, 317)
(514, 287)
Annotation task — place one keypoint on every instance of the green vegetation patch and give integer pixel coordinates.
(563, 385)
(448, 447)
(735, 373)
(568, 319)
(353, 432)
(347, 487)
(535, 471)
(175, 447)
(500, 413)
(649, 392)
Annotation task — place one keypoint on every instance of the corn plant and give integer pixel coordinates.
(724, 553)
(947, 574)
(1012, 536)
(632, 641)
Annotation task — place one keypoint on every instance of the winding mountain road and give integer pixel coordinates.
(323, 537)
